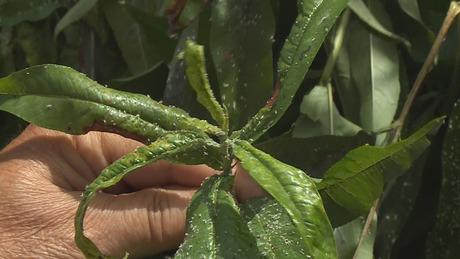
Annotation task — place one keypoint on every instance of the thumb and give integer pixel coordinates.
(142, 223)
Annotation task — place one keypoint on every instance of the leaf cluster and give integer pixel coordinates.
(304, 95)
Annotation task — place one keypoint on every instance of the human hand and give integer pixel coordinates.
(43, 174)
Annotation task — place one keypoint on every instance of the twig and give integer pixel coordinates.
(367, 225)
(454, 10)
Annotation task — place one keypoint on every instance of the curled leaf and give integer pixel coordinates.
(167, 146)
(59, 82)
(196, 74)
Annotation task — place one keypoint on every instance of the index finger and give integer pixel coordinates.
(162, 173)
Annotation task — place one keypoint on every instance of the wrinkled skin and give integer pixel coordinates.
(43, 174)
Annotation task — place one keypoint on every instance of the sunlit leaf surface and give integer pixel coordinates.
(296, 192)
(214, 224)
(64, 87)
(275, 233)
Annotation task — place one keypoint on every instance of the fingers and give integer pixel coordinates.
(163, 173)
(87, 155)
(143, 223)
(35, 219)
(46, 155)
(102, 149)
(37, 210)
(151, 220)
(96, 150)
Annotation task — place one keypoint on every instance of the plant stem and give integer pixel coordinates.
(454, 10)
(331, 110)
(329, 67)
(337, 44)
(367, 225)
(226, 154)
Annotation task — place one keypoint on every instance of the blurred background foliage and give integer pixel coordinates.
(132, 45)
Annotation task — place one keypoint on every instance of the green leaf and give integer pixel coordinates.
(196, 74)
(445, 237)
(137, 51)
(348, 235)
(361, 10)
(13, 12)
(166, 146)
(80, 9)
(313, 155)
(296, 192)
(316, 117)
(206, 151)
(241, 48)
(64, 85)
(411, 8)
(75, 116)
(357, 180)
(214, 224)
(306, 37)
(347, 92)
(374, 63)
(156, 31)
(276, 234)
